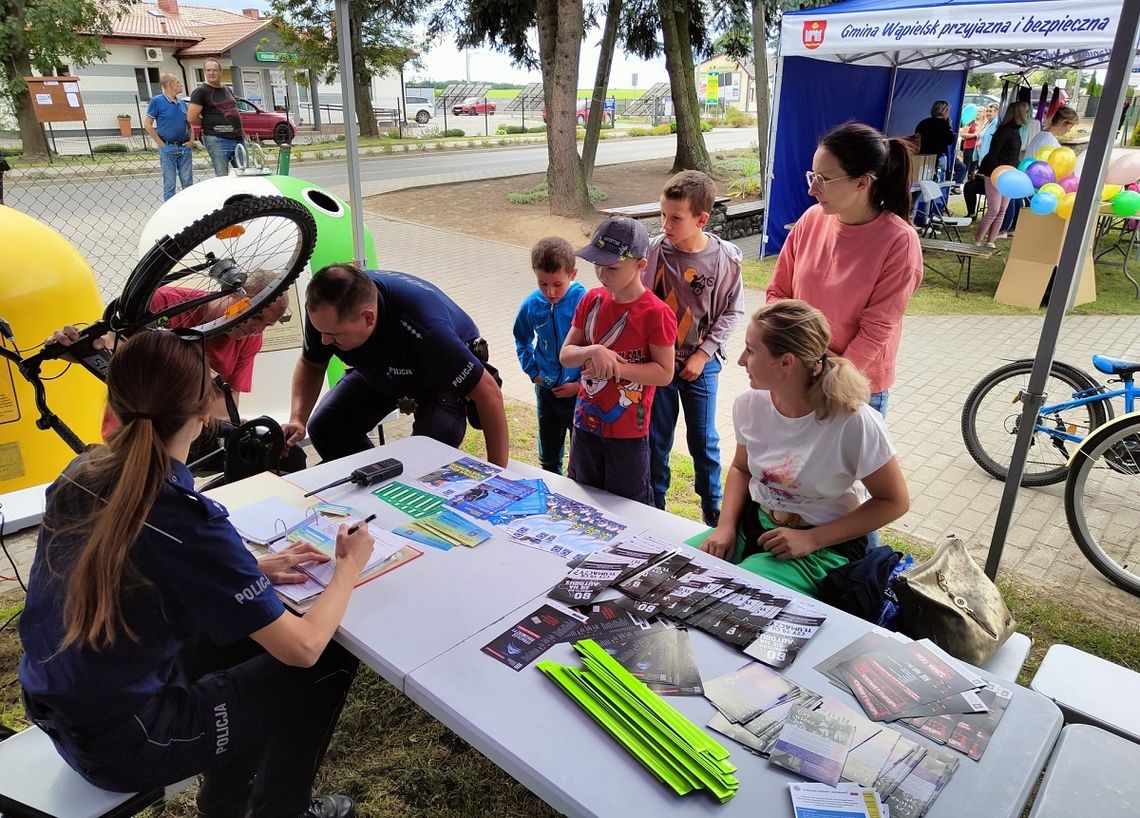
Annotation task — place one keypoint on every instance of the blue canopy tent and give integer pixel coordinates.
(884, 62)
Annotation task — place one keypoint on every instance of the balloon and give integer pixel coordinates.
(1040, 173)
(1065, 205)
(1126, 203)
(1043, 154)
(1109, 192)
(1132, 186)
(1043, 203)
(999, 170)
(969, 113)
(1053, 188)
(1063, 161)
(1070, 183)
(1124, 170)
(1014, 184)
(1025, 163)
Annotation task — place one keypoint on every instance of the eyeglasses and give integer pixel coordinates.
(819, 180)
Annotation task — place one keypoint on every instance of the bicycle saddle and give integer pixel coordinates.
(1115, 366)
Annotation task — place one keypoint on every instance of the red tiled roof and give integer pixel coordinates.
(219, 39)
(147, 21)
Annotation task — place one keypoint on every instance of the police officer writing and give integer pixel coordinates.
(141, 595)
(405, 341)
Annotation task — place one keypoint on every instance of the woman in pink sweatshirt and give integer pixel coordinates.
(855, 256)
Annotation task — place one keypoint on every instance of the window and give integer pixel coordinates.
(245, 107)
(149, 82)
(199, 75)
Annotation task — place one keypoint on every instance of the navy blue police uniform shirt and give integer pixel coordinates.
(419, 346)
(199, 579)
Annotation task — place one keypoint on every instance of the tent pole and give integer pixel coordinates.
(769, 160)
(1076, 244)
(891, 91)
(348, 107)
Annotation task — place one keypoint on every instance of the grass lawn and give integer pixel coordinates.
(397, 761)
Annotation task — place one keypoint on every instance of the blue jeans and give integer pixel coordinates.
(177, 163)
(555, 420)
(698, 400)
(221, 150)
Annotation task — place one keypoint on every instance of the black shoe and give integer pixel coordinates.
(330, 806)
(712, 518)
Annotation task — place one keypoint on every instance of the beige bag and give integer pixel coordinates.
(949, 600)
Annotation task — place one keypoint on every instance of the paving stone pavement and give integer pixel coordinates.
(941, 358)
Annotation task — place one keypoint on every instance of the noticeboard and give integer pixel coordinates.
(56, 99)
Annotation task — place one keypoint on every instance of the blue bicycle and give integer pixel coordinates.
(1075, 406)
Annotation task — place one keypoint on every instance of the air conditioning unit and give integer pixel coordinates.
(153, 54)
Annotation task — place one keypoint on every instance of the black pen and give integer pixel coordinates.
(365, 521)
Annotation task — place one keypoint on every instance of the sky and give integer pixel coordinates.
(446, 62)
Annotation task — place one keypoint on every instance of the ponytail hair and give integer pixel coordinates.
(156, 382)
(792, 326)
(863, 151)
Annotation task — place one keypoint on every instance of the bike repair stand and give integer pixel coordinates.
(250, 161)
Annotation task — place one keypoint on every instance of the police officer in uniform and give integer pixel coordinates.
(409, 345)
(139, 590)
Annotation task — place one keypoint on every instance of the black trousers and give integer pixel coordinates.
(256, 729)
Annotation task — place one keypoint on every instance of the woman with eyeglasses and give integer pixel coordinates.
(854, 255)
(140, 598)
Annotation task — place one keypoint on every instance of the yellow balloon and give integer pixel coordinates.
(1065, 205)
(1043, 154)
(1110, 192)
(1054, 188)
(1063, 161)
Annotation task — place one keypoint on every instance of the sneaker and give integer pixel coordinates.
(955, 190)
(1001, 236)
(991, 245)
(330, 806)
(712, 518)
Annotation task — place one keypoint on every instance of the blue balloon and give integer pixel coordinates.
(1025, 163)
(1043, 203)
(969, 114)
(1015, 184)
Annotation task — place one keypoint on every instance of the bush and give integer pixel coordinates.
(501, 130)
(392, 133)
(540, 193)
(706, 126)
(736, 118)
(607, 125)
(455, 132)
(662, 130)
(714, 122)
(639, 132)
(110, 147)
(748, 183)
(11, 151)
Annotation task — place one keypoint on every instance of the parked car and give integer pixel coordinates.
(473, 106)
(261, 124)
(421, 109)
(981, 100)
(583, 113)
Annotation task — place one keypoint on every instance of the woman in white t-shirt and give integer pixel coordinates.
(1063, 121)
(814, 470)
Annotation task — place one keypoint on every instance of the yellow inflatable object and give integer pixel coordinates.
(44, 284)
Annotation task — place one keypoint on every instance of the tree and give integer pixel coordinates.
(44, 34)
(504, 25)
(378, 34)
(601, 85)
(982, 81)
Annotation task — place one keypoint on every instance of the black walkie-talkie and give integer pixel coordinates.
(367, 475)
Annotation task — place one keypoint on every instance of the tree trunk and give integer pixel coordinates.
(691, 152)
(31, 132)
(601, 86)
(361, 76)
(760, 81)
(560, 25)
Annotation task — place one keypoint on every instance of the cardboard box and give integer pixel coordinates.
(1032, 259)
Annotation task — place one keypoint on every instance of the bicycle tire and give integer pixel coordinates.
(1046, 464)
(289, 221)
(1097, 501)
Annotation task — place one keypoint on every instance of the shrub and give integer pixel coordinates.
(673, 126)
(392, 133)
(714, 122)
(736, 118)
(639, 131)
(748, 183)
(455, 132)
(706, 126)
(110, 147)
(11, 151)
(662, 130)
(540, 193)
(607, 125)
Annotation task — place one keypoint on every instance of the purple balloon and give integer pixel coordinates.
(1070, 183)
(1040, 173)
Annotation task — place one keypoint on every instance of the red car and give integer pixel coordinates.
(262, 124)
(583, 113)
(473, 106)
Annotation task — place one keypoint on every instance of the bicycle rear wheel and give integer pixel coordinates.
(992, 415)
(222, 270)
(1101, 501)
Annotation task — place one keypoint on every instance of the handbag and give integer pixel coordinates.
(949, 600)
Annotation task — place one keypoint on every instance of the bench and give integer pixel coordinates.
(1091, 690)
(1006, 663)
(966, 254)
(649, 210)
(735, 211)
(1091, 772)
(36, 783)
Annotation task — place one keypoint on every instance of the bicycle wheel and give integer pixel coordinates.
(221, 270)
(992, 414)
(1101, 501)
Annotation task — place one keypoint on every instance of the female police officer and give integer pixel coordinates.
(134, 572)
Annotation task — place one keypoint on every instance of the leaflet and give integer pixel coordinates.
(456, 478)
(814, 744)
(824, 801)
(493, 494)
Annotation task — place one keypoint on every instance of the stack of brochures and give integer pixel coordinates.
(823, 739)
(658, 579)
(666, 743)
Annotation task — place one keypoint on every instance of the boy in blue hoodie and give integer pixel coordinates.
(540, 328)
